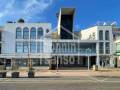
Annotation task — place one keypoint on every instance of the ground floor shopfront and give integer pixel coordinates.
(59, 61)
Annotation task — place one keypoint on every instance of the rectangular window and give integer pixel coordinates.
(19, 47)
(101, 48)
(107, 35)
(100, 35)
(36, 62)
(22, 62)
(117, 47)
(39, 47)
(107, 46)
(33, 47)
(25, 47)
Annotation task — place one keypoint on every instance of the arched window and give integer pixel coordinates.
(39, 33)
(107, 35)
(26, 33)
(18, 33)
(33, 33)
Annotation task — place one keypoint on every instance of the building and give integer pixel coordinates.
(21, 41)
(34, 44)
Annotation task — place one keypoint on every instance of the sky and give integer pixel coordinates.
(88, 12)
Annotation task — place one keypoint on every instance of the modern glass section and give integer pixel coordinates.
(36, 62)
(40, 62)
(33, 47)
(25, 33)
(107, 35)
(18, 33)
(39, 33)
(25, 47)
(107, 48)
(101, 47)
(73, 48)
(100, 35)
(22, 62)
(39, 47)
(19, 47)
(33, 33)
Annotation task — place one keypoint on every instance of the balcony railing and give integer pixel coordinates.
(77, 51)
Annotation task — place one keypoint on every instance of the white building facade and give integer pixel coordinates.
(23, 44)
(21, 41)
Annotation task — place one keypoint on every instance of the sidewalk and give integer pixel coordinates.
(71, 73)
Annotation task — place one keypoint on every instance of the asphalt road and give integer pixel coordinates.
(70, 83)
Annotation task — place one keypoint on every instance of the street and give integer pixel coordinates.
(66, 83)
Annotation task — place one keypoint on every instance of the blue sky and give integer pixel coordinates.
(88, 12)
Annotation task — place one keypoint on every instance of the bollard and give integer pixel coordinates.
(15, 74)
(95, 68)
(31, 74)
(2, 74)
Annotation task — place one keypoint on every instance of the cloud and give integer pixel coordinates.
(27, 9)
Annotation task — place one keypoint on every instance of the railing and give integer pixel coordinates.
(77, 51)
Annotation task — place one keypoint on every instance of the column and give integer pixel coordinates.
(97, 55)
(111, 61)
(98, 61)
(13, 63)
(88, 62)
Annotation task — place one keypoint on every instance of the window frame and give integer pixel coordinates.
(19, 30)
(33, 33)
(25, 30)
(40, 33)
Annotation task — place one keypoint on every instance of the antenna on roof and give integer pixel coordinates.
(114, 23)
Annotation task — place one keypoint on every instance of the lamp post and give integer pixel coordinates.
(57, 55)
(29, 59)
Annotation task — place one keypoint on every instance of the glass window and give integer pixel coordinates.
(100, 35)
(33, 47)
(107, 45)
(39, 33)
(107, 35)
(19, 47)
(33, 33)
(18, 33)
(36, 62)
(26, 33)
(44, 62)
(25, 47)
(101, 48)
(39, 47)
(22, 62)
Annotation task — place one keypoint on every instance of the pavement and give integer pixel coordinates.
(71, 73)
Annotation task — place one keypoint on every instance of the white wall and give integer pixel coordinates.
(85, 34)
(106, 28)
(9, 36)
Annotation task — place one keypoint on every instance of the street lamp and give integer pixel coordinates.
(57, 55)
(29, 59)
